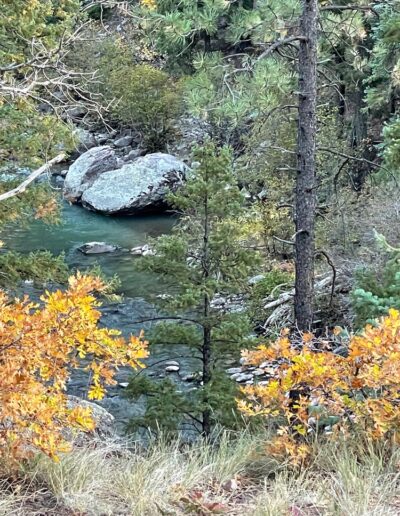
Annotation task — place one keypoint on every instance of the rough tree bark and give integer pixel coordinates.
(206, 351)
(306, 167)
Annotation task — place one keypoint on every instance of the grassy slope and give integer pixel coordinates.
(109, 479)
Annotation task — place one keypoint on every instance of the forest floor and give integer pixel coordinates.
(235, 478)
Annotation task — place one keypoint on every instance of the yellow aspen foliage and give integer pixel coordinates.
(40, 344)
(149, 4)
(315, 391)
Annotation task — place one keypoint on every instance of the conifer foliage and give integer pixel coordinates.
(201, 259)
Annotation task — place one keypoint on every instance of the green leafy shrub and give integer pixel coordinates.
(271, 285)
(147, 99)
(391, 144)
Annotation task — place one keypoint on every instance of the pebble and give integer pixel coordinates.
(189, 378)
(244, 377)
(234, 370)
(142, 250)
(172, 369)
(259, 372)
(123, 385)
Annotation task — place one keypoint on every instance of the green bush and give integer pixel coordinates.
(377, 290)
(147, 99)
(37, 266)
(274, 282)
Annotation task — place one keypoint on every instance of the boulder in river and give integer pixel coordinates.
(86, 169)
(97, 248)
(136, 188)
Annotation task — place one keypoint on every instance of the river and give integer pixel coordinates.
(139, 290)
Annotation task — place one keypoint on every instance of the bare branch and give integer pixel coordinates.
(353, 7)
(34, 175)
(348, 156)
(279, 43)
(334, 272)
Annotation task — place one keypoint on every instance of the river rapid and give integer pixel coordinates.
(139, 290)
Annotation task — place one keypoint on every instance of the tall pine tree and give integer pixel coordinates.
(203, 258)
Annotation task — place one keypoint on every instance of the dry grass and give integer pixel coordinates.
(351, 479)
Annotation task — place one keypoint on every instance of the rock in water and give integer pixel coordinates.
(172, 369)
(97, 248)
(86, 169)
(138, 187)
(143, 250)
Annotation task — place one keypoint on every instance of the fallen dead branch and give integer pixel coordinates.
(34, 175)
(282, 306)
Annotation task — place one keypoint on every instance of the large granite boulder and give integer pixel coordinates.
(135, 188)
(86, 169)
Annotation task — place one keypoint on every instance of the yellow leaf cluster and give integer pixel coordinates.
(310, 386)
(39, 346)
(149, 4)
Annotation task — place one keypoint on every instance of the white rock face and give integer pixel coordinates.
(138, 187)
(86, 169)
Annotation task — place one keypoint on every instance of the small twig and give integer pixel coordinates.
(334, 273)
(350, 8)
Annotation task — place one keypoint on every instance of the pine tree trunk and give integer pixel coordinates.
(206, 377)
(306, 167)
(207, 331)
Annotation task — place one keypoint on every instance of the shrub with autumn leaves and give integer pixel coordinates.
(40, 344)
(313, 391)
